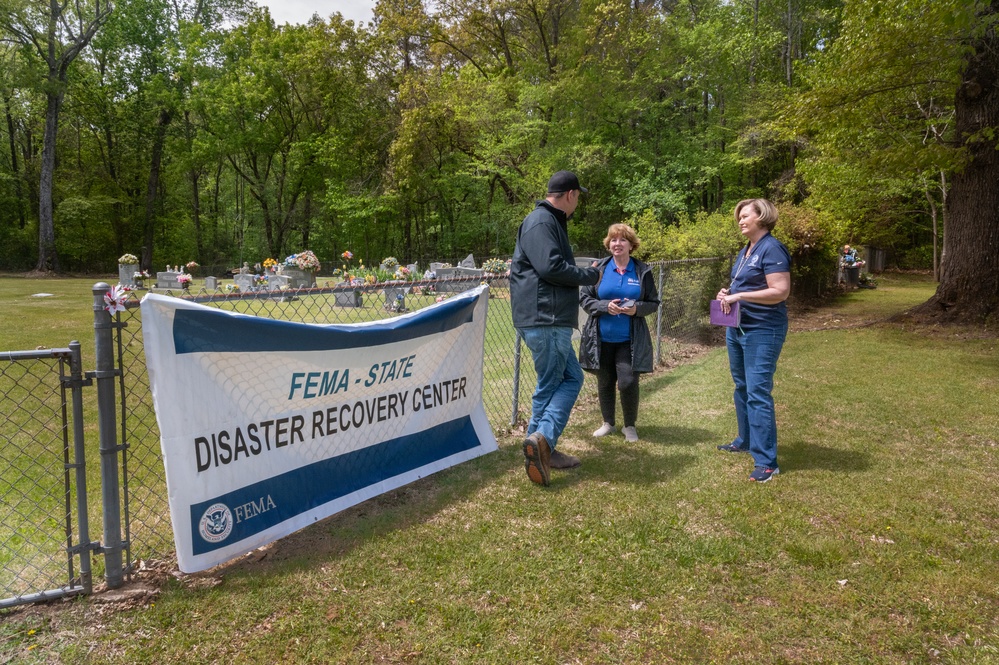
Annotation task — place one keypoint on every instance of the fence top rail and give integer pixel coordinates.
(219, 295)
(39, 354)
(676, 262)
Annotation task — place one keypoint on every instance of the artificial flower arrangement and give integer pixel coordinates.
(231, 288)
(403, 273)
(184, 280)
(141, 276)
(269, 263)
(850, 259)
(128, 259)
(260, 280)
(495, 266)
(390, 263)
(192, 265)
(114, 300)
(306, 261)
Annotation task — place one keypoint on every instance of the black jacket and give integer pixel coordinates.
(641, 340)
(544, 279)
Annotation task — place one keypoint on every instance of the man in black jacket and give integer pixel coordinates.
(544, 296)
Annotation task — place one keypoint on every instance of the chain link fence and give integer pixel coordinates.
(685, 288)
(43, 483)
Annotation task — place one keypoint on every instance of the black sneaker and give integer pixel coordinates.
(762, 474)
(732, 448)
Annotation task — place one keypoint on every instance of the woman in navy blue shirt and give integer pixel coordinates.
(615, 342)
(761, 283)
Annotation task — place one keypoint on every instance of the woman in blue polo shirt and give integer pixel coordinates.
(761, 283)
(615, 341)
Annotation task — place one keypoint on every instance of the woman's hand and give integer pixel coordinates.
(726, 300)
(614, 308)
(777, 291)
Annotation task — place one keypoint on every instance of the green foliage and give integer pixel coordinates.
(813, 239)
(878, 112)
(700, 236)
(83, 237)
(428, 134)
(915, 258)
(20, 247)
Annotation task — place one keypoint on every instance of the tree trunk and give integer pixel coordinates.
(48, 259)
(149, 230)
(195, 175)
(196, 212)
(14, 169)
(969, 279)
(933, 219)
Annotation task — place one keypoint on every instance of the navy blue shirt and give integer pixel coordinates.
(614, 285)
(768, 256)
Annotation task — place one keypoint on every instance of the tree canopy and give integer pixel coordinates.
(200, 129)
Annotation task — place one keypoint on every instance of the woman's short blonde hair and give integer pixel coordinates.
(622, 231)
(766, 210)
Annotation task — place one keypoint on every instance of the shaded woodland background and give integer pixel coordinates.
(183, 130)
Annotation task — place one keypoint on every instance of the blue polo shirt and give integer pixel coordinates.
(614, 285)
(769, 256)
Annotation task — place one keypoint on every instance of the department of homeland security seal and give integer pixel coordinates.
(216, 523)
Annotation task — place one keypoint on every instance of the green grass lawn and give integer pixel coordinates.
(877, 543)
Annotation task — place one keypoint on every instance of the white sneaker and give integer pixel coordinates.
(630, 434)
(604, 430)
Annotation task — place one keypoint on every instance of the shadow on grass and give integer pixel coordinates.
(801, 456)
(400, 509)
(624, 466)
(611, 459)
(663, 378)
(675, 435)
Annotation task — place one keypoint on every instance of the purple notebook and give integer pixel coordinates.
(719, 318)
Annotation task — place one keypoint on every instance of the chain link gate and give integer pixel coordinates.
(44, 486)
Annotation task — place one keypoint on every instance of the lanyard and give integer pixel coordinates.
(742, 264)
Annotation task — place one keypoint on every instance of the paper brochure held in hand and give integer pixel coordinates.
(719, 318)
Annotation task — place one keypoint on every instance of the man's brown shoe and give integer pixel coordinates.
(537, 456)
(563, 461)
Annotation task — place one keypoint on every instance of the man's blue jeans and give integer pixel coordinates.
(560, 378)
(752, 357)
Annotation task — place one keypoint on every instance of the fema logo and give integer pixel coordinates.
(216, 523)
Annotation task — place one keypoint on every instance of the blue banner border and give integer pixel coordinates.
(287, 495)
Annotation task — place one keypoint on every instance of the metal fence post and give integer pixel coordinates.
(516, 379)
(659, 316)
(107, 408)
(79, 463)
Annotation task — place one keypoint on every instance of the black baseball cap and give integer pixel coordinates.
(564, 181)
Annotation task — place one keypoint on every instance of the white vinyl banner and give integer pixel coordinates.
(268, 426)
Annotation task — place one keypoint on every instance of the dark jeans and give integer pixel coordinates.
(615, 368)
